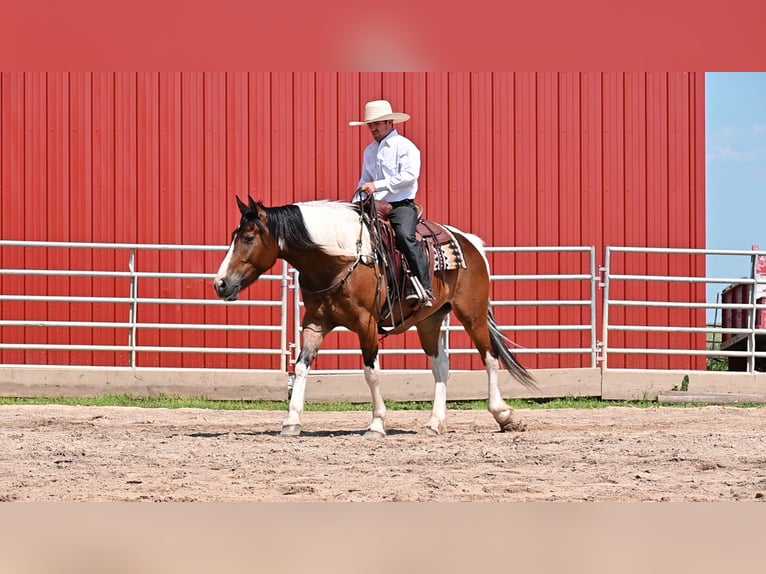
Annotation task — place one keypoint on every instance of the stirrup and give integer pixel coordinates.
(420, 296)
(430, 298)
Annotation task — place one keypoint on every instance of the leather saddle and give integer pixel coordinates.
(431, 235)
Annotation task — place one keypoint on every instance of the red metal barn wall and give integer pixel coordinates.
(521, 159)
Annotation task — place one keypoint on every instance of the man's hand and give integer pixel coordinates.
(364, 193)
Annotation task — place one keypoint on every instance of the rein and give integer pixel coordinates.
(383, 257)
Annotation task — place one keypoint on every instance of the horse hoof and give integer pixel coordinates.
(513, 425)
(373, 434)
(291, 430)
(440, 430)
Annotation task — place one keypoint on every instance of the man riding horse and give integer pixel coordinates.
(390, 171)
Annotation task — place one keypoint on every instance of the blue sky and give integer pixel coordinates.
(735, 134)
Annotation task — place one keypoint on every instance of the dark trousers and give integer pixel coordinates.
(404, 220)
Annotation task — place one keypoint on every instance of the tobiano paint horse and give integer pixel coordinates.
(344, 282)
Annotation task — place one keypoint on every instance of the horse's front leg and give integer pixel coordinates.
(433, 342)
(313, 335)
(377, 427)
(369, 346)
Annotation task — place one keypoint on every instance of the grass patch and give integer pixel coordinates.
(169, 402)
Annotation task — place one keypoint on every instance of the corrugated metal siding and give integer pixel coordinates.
(636, 231)
(520, 159)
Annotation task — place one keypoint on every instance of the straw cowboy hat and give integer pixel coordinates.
(378, 111)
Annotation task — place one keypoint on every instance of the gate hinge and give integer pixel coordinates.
(601, 277)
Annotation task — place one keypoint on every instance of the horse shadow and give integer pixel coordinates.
(305, 433)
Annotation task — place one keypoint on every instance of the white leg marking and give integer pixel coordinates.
(371, 375)
(497, 405)
(297, 398)
(440, 370)
(495, 398)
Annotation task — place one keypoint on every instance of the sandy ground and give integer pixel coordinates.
(58, 453)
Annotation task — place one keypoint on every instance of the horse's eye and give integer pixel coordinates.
(248, 239)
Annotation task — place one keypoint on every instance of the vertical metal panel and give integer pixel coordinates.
(591, 198)
(503, 191)
(613, 192)
(548, 201)
(405, 92)
(191, 214)
(657, 198)
(125, 180)
(636, 206)
(13, 212)
(409, 92)
(370, 88)
(2, 187)
(236, 184)
(103, 203)
(261, 126)
(480, 192)
(349, 137)
(569, 159)
(525, 100)
(170, 189)
(459, 145)
(328, 123)
(389, 87)
(678, 207)
(35, 195)
(436, 162)
(570, 213)
(58, 205)
(304, 137)
(698, 198)
(81, 195)
(125, 156)
(148, 142)
(218, 210)
(2, 197)
(260, 119)
(481, 197)
(282, 184)
(325, 157)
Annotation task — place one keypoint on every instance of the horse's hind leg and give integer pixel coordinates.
(437, 424)
(502, 412)
(476, 324)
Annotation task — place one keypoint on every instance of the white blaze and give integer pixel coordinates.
(225, 264)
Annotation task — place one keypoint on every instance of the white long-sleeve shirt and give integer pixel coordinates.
(393, 165)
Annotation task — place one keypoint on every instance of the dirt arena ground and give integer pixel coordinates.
(59, 453)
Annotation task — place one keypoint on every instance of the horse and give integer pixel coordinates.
(343, 283)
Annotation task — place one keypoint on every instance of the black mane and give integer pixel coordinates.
(285, 224)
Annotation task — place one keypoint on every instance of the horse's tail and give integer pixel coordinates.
(507, 358)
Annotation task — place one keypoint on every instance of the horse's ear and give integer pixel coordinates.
(243, 208)
(253, 204)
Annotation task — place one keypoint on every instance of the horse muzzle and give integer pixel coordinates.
(226, 290)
